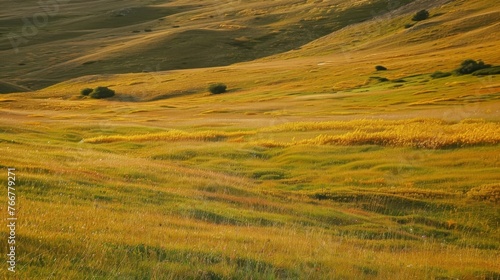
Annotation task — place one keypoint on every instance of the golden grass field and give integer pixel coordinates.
(309, 167)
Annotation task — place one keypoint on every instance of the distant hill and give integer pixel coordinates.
(75, 39)
(102, 37)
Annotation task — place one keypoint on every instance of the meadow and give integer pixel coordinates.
(312, 166)
(120, 192)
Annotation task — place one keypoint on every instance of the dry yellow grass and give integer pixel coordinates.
(488, 192)
(421, 134)
(417, 133)
(363, 124)
(172, 135)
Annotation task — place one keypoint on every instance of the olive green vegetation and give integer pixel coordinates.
(217, 88)
(101, 92)
(86, 91)
(313, 167)
(494, 70)
(421, 15)
(439, 74)
(470, 66)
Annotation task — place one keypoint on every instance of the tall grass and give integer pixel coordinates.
(417, 133)
(171, 135)
(206, 207)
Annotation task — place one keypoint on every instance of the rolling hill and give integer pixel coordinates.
(43, 45)
(313, 165)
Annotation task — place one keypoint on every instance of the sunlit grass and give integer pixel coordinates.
(172, 135)
(114, 209)
(418, 133)
(304, 169)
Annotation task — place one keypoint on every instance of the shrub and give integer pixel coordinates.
(487, 71)
(469, 66)
(217, 88)
(86, 91)
(102, 92)
(439, 74)
(421, 15)
(380, 68)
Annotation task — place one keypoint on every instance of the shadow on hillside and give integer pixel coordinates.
(10, 88)
(126, 98)
(202, 47)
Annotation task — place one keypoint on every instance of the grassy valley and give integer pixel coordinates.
(313, 164)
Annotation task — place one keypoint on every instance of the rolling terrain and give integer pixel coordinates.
(313, 165)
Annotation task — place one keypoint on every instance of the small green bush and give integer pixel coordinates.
(487, 71)
(380, 68)
(470, 66)
(86, 91)
(439, 74)
(102, 92)
(421, 15)
(217, 88)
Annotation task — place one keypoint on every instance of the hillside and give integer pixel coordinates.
(313, 165)
(42, 45)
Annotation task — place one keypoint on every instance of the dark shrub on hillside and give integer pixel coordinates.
(439, 74)
(421, 15)
(102, 92)
(380, 68)
(469, 66)
(487, 71)
(86, 91)
(217, 88)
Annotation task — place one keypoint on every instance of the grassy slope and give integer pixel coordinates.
(126, 36)
(244, 206)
